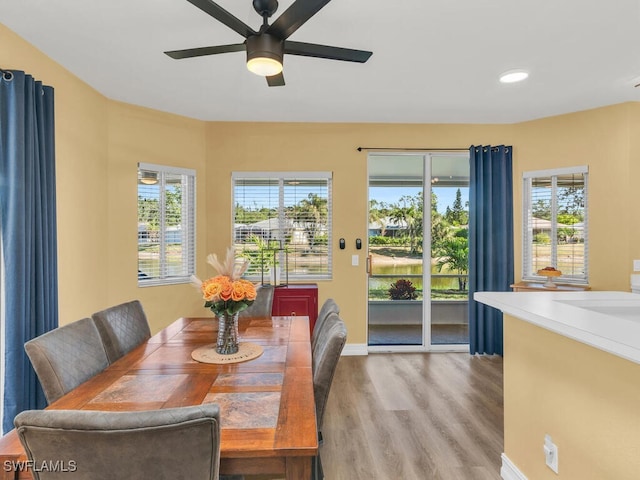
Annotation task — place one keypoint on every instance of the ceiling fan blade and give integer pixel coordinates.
(293, 17)
(220, 14)
(325, 51)
(276, 80)
(202, 51)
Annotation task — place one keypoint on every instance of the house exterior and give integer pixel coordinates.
(387, 227)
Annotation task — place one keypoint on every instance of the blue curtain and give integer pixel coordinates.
(28, 224)
(490, 242)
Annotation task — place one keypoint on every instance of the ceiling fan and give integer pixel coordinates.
(266, 47)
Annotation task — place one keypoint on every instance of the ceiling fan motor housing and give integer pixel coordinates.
(266, 46)
(265, 7)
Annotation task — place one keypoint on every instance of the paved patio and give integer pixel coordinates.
(441, 334)
(400, 323)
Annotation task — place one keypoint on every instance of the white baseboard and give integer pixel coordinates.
(509, 471)
(353, 349)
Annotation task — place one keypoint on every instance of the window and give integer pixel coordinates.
(282, 224)
(555, 223)
(166, 225)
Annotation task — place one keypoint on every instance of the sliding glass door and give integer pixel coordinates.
(395, 257)
(416, 266)
(449, 248)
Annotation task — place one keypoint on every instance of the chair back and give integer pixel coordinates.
(328, 307)
(263, 304)
(325, 358)
(67, 356)
(160, 444)
(122, 328)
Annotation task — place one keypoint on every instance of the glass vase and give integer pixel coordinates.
(227, 343)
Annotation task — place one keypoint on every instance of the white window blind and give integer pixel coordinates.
(282, 224)
(166, 225)
(555, 223)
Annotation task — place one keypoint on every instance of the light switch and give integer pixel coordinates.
(636, 265)
(355, 260)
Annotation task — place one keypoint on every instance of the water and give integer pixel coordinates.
(380, 280)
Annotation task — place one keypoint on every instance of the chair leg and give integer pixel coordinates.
(316, 468)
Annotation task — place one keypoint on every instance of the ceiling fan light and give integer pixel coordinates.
(264, 66)
(264, 55)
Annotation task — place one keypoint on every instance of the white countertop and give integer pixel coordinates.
(609, 321)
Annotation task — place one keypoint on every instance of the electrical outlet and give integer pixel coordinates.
(636, 265)
(550, 453)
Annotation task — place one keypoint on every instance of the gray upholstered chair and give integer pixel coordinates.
(263, 304)
(325, 356)
(67, 356)
(162, 444)
(328, 307)
(122, 328)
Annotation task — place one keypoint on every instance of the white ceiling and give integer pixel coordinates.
(434, 61)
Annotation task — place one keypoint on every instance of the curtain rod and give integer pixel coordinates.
(456, 149)
(6, 74)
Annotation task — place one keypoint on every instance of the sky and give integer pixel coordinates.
(446, 195)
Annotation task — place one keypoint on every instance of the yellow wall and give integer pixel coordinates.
(142, 135)
(632, 182)
(81, 182)
(100, 141)
(324, 147)
(598, 138)
(586, 399)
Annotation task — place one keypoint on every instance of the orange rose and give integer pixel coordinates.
(249, 290)
(237, 292)
(210, 290)
(226, 291)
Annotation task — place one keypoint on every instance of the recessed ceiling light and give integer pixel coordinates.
(513, 76)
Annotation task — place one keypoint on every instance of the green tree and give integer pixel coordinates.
(378, 213)
(565, 234)
(541, 209)
(173, 206)
(149, 213)
(312, 215)
(261, 258)
(569, 218)
(571, 200)
(457, 215)
(454, 253)
(245, 215)
(409, 212)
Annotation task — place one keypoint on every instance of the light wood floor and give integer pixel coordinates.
(414, 417)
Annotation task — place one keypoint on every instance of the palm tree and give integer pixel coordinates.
(454, 253)
(311, 214)
(378, 213)
(409, 212)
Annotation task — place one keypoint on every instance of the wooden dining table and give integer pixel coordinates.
(268, 422)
